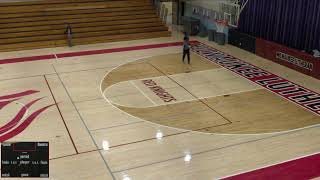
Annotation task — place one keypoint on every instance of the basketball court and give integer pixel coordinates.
(132, 110)
(228, 123)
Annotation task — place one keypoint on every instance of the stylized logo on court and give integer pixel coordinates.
(19, 123)
(158, 90)
(284, 88)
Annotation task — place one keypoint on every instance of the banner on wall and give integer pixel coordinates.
(227, 11)
(206, 13)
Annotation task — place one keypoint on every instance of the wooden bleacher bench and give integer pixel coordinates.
(41, 24)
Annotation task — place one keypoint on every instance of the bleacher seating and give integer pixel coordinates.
(41, 24)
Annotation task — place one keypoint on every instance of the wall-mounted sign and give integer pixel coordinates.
(206, 13)
(295, 61)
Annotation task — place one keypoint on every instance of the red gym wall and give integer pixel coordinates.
(289, 57)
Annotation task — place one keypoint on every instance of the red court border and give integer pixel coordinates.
(298, 169)
(87, 53)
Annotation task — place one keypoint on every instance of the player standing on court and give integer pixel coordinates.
(186, 49)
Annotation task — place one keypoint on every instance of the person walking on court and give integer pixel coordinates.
(186, 49)
(69, 35)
